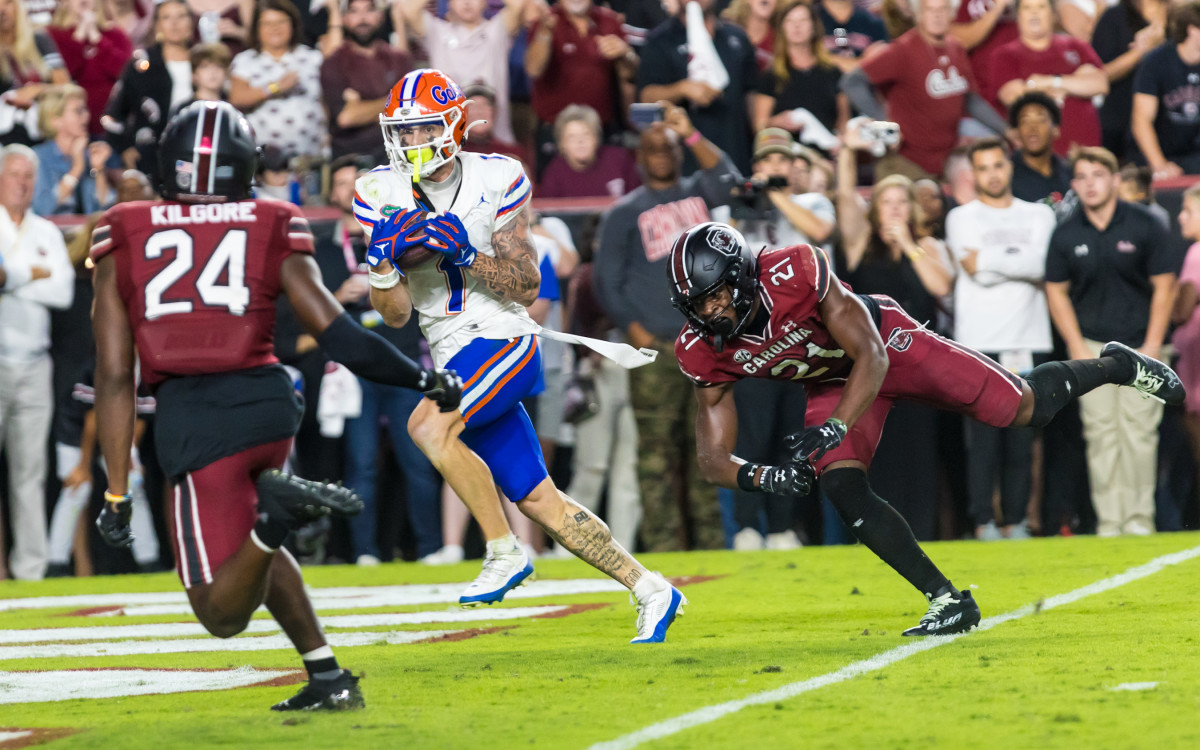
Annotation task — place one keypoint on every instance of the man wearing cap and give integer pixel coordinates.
(355, 81)
(791, 219)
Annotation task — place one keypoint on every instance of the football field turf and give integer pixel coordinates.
(1087, 643)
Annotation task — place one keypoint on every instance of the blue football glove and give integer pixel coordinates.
(396, 235)
(449, 237)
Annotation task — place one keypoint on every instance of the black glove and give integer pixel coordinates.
(793, 479)
(113, 523)
(443, 387)
(813, 442)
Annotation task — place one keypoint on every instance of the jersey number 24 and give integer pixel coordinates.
(230, 255)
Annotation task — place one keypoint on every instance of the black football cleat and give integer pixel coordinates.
(339, 694)
(297, 501)
(948, 613)
(1152, 378)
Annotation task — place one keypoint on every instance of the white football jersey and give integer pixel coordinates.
(455, 308)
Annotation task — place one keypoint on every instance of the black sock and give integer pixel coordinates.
(1055, 384)
(271, 532)
(881, 529)
(322, 669)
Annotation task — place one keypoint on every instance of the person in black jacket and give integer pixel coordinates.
(155, 80)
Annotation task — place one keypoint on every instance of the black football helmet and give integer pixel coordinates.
(703, 259)
(207, 154)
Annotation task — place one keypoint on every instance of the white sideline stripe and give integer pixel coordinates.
(65, 685)
(198, 645)
(1134, 686)
(185, 629)
(18, 735)
(710, 714)
(342, 597)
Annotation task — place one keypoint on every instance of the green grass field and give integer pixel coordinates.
(1111, 668)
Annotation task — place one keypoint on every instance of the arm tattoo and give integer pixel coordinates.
(513, 273)
(591, 541)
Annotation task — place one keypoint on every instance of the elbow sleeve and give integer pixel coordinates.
(369, 355)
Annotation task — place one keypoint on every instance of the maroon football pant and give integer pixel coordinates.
(926, 368)
(215, 508)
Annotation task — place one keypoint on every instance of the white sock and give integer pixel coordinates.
(649, 584)
(504, 545)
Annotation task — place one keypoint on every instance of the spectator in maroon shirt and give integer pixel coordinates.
(481, 135)
(93, 50)
(583, 167)
(983, 26)
(356, 79)
(1060, 65)
(929, 86)
(577, 54)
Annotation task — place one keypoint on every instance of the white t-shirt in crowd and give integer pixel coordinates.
(1002, 308)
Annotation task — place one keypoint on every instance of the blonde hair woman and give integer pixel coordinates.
(71, 177)
(30, 63)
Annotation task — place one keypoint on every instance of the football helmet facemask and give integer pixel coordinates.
(704, 259)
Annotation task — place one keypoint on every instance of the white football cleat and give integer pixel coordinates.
(656, 609)
(505, 567)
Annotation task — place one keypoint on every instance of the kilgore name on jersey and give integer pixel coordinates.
(202, 213)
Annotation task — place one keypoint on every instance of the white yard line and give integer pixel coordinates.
(709, 714)
(356, 597)
(210, 645)
(186, 629)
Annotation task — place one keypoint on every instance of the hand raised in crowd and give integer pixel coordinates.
(700, 93)
(970, 260)
(676, 118)
(97, 154)
(289, 81)
(87, 30)
(24, 97)
(78, 153)
(897, 234)
(1167, 170)
(80, 474)
(612, 47)
(1148, 38)
(853, 137)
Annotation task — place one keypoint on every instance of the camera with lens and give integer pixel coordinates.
(881, 135)
(749, 201)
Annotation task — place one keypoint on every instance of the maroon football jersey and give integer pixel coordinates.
(199, 281)
(795, 344)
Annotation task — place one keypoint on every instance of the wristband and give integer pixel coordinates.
(71, 180)
(111, 498)
(1058, 82)
(693, 139)
(839, 422)
(384, 280)
(272, 88)
(745, 477)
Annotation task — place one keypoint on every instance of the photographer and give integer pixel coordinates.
(765, 208)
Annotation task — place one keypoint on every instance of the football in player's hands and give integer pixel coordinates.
(397, 236)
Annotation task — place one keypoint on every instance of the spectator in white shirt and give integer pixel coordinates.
(35, 276)
(999, 243)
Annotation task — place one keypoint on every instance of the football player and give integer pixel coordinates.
(457, 223)
(187, 286)
(786, 316)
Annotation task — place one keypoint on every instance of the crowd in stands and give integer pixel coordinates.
(989, 164)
